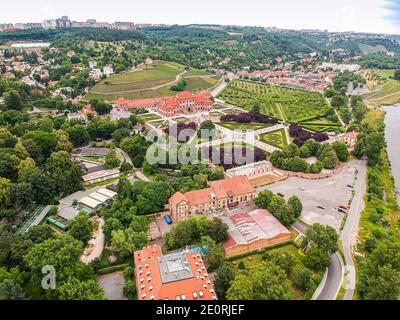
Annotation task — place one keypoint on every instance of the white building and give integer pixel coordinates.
(108, 70)
(49, 24)
(340, 67)
(95, 73)
(92, 64)
(99, 176)
(252, 170)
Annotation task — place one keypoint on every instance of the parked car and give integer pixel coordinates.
(301, 188)
(342, 210)
(321, 207)
(351, 186)
(168, 219)
(280, 194)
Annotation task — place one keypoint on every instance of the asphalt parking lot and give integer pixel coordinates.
(329, 193)
(113, 285)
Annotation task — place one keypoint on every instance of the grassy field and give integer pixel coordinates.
(390, 93)
(152, 82)
(275, 138)
(149, 117)
(292, 105)
(182, 120)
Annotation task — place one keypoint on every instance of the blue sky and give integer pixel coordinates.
(339, 15)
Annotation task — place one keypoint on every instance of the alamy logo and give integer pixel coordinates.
(49, 279)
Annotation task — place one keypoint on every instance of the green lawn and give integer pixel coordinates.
(243, 126)
(275, 138)
(143, 84)
(149, 117)
(218, 107)
(292, 105)
(181, 120)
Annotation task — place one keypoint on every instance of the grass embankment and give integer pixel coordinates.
(380, 218)
(151, 82)
(390, 92)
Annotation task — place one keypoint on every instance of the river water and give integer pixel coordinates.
(392, 135)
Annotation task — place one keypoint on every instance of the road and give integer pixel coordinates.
(350, 231)
(139, 174)
(334, 273)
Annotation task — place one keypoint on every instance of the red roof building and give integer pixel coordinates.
(183, 102)
(222, 194)
(177, 276)
(252, 231)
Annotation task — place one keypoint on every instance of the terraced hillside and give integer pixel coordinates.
(292, 105)
(152, 82)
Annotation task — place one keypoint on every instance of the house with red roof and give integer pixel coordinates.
(350, 138)
(222, 194)
(253, 231)
(177, 276)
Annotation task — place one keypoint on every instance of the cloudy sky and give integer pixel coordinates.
(339, 15)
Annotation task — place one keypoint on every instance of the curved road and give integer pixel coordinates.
(348, 236)
(334, 275)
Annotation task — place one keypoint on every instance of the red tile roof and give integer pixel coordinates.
(222, 189)
(180, 276)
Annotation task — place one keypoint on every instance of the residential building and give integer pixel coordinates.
(253, 231)
(108, 70)
(95, 74)
(350, 138)
(178, 276)
(92, 64)
(49, 24)
(223, 194)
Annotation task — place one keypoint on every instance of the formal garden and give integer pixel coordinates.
(275, 138)
(292, 105)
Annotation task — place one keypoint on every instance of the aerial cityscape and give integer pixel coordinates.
(199, 161)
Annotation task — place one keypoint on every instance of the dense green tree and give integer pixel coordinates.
(75, 289)
(12, 100)
(322, 236)
(5, 192)
(66, 174)
(78, 135)
(7, 140)
(61, 253)
(81, 228)
(317, 259)
(225, 275)
(295, 205)
(380, 272)
(112, 160)
(269, 282)
(130, 289)
(341, 151)
(214, 252)
(11, 291)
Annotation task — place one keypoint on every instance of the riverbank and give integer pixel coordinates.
(392, 134)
